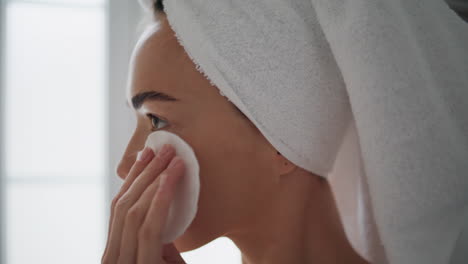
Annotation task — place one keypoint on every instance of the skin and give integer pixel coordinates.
(273, 210)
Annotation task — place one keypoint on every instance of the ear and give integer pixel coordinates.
(284, 165)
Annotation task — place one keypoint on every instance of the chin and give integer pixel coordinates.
(191, 240)
(186, 243)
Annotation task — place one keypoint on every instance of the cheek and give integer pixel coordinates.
(233, 169)
(228, 184)
(231, 178)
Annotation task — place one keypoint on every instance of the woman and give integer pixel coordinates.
(272, 209)
(251, 194)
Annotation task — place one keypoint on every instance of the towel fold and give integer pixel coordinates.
(303, 71)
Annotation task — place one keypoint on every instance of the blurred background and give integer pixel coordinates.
(63, 128)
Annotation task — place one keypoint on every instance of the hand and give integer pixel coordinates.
(139, 212)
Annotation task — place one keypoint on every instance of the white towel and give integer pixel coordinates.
(303, 70)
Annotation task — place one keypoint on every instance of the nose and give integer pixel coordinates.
(128, 158)
(125, 165)
(121, 170)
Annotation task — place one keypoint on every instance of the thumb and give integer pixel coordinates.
(171, 255)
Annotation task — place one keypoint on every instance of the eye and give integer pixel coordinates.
(155, 120)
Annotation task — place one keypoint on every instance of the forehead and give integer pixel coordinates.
(158, 62)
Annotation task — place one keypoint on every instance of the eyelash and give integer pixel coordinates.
(152, 118)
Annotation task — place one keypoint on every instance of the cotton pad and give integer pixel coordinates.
(184, 206)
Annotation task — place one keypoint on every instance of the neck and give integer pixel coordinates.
(300, 225)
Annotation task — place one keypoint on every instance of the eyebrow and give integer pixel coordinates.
(139, 99)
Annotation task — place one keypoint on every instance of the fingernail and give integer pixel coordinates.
(144, 154)
(175, 162)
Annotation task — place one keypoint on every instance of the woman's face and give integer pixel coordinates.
(236, 161)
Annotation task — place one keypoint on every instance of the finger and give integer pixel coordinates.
(149, 240)
(136, 169)
(134, 219)
(171, 255)
(151, 171)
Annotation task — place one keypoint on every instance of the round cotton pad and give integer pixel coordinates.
(184, 206)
